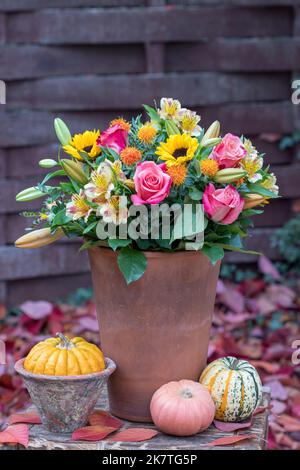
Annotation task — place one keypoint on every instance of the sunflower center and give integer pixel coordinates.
(181, 152)
(88, 149)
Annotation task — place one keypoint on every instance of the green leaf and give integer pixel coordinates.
(132, 264)
(116, 243)
(256, 188)
(90, 227)
(60, 218)
(195, 194)
(52, 175)
(239, 250)
(152, 113)
(213, 252)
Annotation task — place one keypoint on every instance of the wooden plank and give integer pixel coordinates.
(46, 288)
(2, 30)
(34, 61)
(37, 126)
(240, 55)
(239, 3)
(24, 161)
(3, 164)
(3, 293)
(52, 260)
(111, 92)
(41, 439)
(247, 119)
(288, 179)
(93, 26)
(23, 5)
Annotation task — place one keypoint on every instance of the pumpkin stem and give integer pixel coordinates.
(186, 393)
(65, 343)
(235, 363)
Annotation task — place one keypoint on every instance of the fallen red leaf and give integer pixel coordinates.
(134, 435)
(30, 418)
(92, 433)
(230, 427)
(269, 367)
(15, 434)
(227, 441)
(36, 310)
(261, 409)
(102, 418)
(267, 267)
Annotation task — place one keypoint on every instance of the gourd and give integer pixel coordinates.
(235, 387)
(182, 408)
(64, 356)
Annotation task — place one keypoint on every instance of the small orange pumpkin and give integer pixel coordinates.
(182, 408)
(64, 356)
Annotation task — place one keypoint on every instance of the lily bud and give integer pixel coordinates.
(74, 171)
(211, 142)
(130, 184)
(229, 175)
(29, 194)
(38, 238)
(62, 131)
(212, 132)
(171, 127)
(252, 200)
(47, 163)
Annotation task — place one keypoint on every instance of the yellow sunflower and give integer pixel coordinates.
(178, 149)
(85, 143)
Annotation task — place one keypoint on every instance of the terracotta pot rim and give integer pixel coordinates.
(109, 369)
(149, 253)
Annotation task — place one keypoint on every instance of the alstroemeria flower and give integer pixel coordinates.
(78, 207)
(188, 122)
(252, 162)
(115, 210)
(99, 189)
(270, 183)
(169, 108)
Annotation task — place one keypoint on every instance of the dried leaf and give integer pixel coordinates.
(267, 267)
(269, 367)
(29, 418)
(92, 433)
(227, 441)
(134, 435)
(102, 418)
(15, 434)
(230, 427)
(277, 390)
(36, 310)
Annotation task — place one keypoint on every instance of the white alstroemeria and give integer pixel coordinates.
(115, 210)
(101, 185)
(188, 122)
(169, 108)
(252, 162)
(270, 183)
(78, 207)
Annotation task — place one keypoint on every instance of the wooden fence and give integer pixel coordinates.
(90, 60)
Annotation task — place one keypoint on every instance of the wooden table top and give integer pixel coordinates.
(41, 439)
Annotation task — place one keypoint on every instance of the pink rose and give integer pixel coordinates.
(222, 205)
(114, 137)
(229, 151)
(152, 183)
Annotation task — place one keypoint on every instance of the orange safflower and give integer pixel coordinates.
(130, 156)
(147, 133)
(209, 167)
(178, 174)
(122, 123)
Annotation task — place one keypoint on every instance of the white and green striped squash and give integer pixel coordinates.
(235, 387)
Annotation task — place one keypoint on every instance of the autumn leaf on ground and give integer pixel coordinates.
(227, 441)
(15, 434)
(102, 418)
(29, 418)
(36, 310)
(92, 433)
(261, 409)
(230, 427)
(134, 435)
(269, 367)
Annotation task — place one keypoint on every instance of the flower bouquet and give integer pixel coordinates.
(168, 199)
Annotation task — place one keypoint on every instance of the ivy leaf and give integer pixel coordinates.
(213, 252)
(116, 243)
(132, 264)
(195, 194)
(60, 218)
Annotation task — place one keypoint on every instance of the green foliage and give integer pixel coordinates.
(132, 264)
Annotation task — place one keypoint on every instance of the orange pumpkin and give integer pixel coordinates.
(182, 408)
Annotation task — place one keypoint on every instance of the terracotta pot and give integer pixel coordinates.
(64, 403)
(157, 328)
